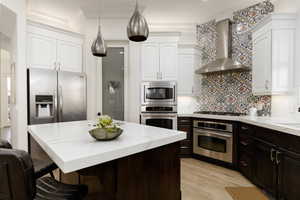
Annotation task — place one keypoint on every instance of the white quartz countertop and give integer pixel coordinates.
(288, 124)
(71, 147)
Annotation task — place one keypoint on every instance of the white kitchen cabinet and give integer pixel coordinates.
(159, 59)
(189, 61)
(168, 61)
(49, 48)
(41, 51)
(69, 56)
(150, 61)
(273, 55)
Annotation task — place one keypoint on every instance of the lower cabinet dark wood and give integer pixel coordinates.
(186, 146)
(263, 159)
(264, 169)
(288, 175)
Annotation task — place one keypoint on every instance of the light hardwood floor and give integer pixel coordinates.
(204, 181)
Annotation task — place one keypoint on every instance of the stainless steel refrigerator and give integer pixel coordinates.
(55, 96)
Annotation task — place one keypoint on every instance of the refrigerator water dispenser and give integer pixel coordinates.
(44, 106)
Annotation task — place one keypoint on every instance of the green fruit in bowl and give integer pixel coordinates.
(106, 129)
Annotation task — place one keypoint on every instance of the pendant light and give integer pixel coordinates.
(137, 29)
(99, 47)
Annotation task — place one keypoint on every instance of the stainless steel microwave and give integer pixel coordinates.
(159, 93)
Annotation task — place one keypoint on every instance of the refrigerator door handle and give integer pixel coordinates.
(55, 107)
(60, 104)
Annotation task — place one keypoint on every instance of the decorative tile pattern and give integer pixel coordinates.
(232, 91)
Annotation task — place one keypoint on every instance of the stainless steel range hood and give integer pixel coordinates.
(223, 60)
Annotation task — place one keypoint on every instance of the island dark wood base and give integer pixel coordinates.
(150, 175)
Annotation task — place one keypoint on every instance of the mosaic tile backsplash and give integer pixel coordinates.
(232, 91)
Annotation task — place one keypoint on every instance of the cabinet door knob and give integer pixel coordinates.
(272, 154)
(55, 65)
(267, 84)
(244, 163)
(244, 128)
(244, 143)
(278, 153)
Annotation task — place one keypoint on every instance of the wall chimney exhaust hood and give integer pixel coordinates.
(223, 60)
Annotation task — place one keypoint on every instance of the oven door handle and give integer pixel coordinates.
(210, 133)
(159, 116)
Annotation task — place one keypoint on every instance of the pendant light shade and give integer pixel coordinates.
(99, 47)
(137, 29)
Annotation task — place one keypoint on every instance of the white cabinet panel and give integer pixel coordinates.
(274, 55)
(185, 74)
(150, 62)
(54, 49)
(261, 75)
(282, 60)
(168, 61)
(41, 51)
(69, 56)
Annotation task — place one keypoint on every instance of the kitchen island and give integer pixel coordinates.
(142, 163)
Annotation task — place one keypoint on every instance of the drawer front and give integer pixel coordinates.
(268, 135)
(246, 129)
(184, 121)
(246, 143)
(245, 165)
(185, 151)
(186, 143)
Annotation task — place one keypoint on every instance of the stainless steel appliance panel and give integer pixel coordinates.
(42, 83)
(159, 92)
(71, 96)
(162, 120)
(214, 140)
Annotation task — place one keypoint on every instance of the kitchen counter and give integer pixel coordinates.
(290, 125)
(71, 147)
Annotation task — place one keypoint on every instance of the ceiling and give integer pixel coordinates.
(156, 11)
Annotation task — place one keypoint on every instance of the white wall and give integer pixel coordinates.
(19, 111)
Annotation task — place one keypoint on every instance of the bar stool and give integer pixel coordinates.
(18, 181)
(41, 167)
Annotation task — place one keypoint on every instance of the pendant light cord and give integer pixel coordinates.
(136, 4)
(99, 26)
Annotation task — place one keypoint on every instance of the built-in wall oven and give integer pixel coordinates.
(162, 120)
(214, 140)
(159, 92)
(159, 104)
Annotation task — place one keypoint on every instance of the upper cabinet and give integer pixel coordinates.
(41, 51)
(159, 58)
(189, 61)
(69, 56)
(150, 61)
(274, 55)
(53, 49)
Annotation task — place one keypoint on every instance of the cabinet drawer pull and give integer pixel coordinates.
(244, 163)
(244, 143)
(278, 153)
(245, 128)
(272, 154)
(184, 121)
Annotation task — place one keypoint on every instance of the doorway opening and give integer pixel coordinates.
(113, 83)
(5, 87)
